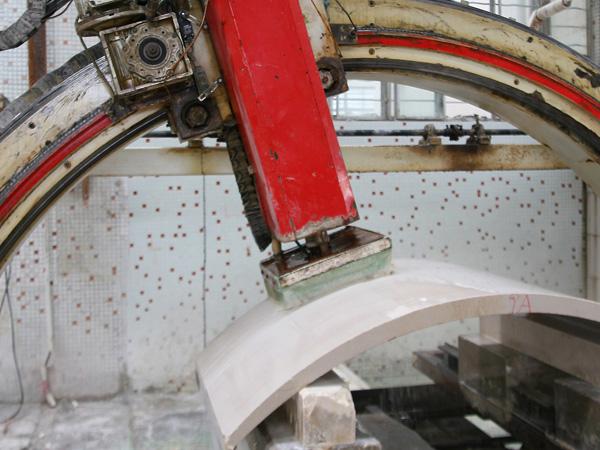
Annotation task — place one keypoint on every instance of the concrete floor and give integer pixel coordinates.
(129, 422)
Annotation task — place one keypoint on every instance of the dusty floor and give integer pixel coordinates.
(128, 422)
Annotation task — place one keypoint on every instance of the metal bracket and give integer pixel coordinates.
(454, 132)
(210, 90)
(430, 136)
(333, 76)
(344, 33)
(191, 118)
(478, 134)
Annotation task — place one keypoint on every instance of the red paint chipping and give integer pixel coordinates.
(492, 58)
(277, 95)
(77, 139)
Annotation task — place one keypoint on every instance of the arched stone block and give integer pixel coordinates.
(274, 351)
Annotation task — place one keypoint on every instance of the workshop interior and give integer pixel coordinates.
(299, 224)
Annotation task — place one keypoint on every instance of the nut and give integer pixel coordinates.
(195, 115)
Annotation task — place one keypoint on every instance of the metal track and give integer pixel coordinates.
(247, 187)
(19, 109)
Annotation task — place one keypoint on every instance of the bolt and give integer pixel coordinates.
(327, 79)
(196, 116)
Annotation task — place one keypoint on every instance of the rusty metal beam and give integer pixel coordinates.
(37, 54)
(215, 161)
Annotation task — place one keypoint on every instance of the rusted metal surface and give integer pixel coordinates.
(319, 31)
(25, 26)
(324, 46)
(451, 158)
(272, 352)
(348, 256)
(93, 17)
(577, 144)
(146, 56)
(58, 181)
(512, 61)
(37, 55)
(85, 95)
(178, 161)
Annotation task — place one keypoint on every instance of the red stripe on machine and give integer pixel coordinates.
(77, 139)
(467, 51)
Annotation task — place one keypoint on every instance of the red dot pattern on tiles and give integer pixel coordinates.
(126, 265)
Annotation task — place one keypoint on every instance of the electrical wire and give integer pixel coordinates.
(191, 44)
(7, 300)
(97, 67)
(347, 15)
(204, 252)
(302, 247)
(57, 15)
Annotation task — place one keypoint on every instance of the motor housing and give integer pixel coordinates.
(146, 55)
(95, 16)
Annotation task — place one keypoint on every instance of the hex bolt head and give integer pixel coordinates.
(195, 116)
(327, 79)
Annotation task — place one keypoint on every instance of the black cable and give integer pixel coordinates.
(6, 299)
(7, 275)
(56, 15)
(304, 248)
(347, 14)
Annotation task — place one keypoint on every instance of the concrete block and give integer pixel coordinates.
(323, 413)
(276, 433)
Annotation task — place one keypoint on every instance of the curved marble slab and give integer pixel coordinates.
(274, 351)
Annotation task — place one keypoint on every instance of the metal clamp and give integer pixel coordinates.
(210, 90)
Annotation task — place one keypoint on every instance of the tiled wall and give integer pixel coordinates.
(120, 267)
(127, 278)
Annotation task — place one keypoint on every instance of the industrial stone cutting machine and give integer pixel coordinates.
(256, 74)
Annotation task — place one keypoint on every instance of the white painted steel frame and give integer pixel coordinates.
(183, 161)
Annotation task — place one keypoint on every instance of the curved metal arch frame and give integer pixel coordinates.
(548, 101)
(54, 151)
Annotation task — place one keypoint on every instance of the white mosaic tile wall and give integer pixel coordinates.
(118, 287)
(125, 272)
(14, 75)
(30, 296)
